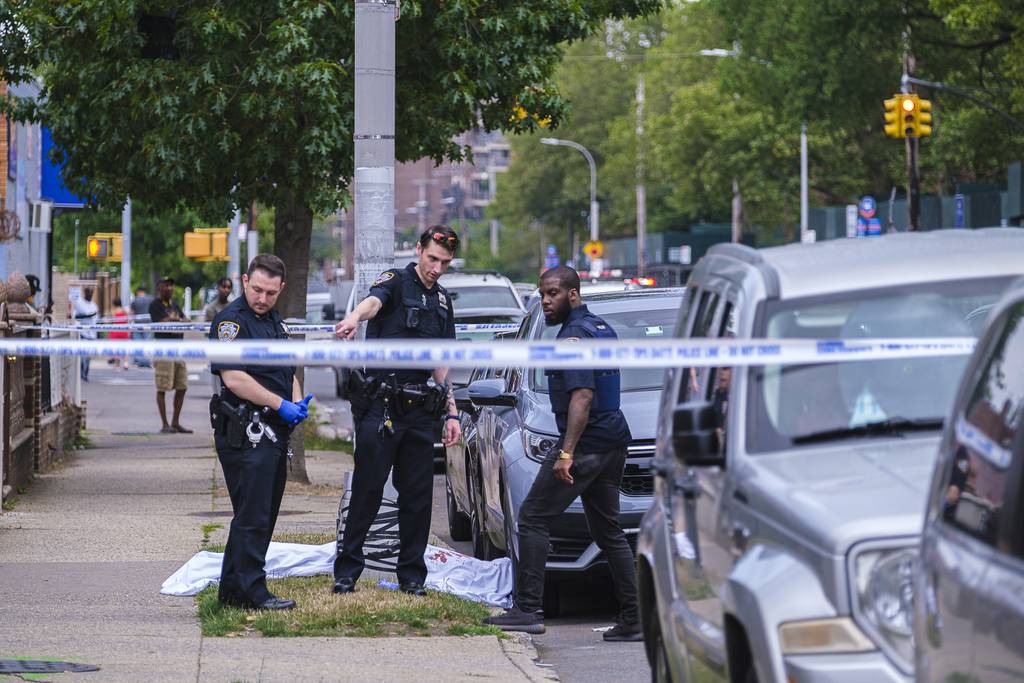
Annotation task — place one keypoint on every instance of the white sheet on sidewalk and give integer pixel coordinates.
(447, 571)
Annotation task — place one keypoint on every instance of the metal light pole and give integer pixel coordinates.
(641, 187)
(594, 208)
(126, 252)
(374, 138)
(803, 182)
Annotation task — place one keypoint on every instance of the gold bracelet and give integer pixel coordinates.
(562, 455)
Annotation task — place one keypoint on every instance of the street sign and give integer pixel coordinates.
(868, 224)
(551, 259)
(958, 203)
(594, 249)
(680, 254)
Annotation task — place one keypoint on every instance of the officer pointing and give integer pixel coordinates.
(589, 464)
(252, 419)
(396, 412)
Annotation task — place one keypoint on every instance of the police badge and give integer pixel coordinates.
(227, 330)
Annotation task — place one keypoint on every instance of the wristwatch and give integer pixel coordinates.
(562, 455)
(451, 417)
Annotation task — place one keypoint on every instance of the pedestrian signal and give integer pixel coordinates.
(104, 246)
(207, 244)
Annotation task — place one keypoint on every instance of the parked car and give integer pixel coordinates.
(789, 499)
(508, 429)
(969, 590)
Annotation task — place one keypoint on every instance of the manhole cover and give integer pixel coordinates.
(31, 666)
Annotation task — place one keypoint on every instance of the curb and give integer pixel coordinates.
(519, 650)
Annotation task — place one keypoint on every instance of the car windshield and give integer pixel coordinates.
(825, 401)
(483, 297)
(474, 335)
(631, 318)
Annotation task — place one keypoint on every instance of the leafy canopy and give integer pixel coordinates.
(213, 104)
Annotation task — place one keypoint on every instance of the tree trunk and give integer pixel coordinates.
(293, 226)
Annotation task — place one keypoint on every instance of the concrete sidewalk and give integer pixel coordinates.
(84, 552)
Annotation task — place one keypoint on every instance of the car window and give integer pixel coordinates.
(984, 437)
(805, 403)
(694, 382)
(639, 319)
(483, 297)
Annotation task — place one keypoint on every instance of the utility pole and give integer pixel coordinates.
(641, 188)
(374, 138)
(913, 183)
(126, 252)
(803, 182)
(234, 254)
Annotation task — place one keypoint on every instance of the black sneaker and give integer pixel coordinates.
(624, 633)
(517, 620)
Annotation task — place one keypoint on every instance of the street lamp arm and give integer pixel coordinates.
(593, 178)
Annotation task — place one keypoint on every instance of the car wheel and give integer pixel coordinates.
(458, 523)
(660, 672)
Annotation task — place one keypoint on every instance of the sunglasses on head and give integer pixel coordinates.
(442, 238)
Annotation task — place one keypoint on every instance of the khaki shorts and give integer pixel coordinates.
(170, 375)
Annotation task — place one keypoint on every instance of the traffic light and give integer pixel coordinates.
(893, 114)
(924, 118)
(908, 116)
(207, 244)
(104, 246)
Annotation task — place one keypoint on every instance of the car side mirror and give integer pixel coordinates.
(490, 392)
(694, 438)
(462, 401)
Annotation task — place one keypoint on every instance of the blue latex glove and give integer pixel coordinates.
(305, 403)
(293, 413)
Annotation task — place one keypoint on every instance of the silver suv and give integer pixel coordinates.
(789, 499)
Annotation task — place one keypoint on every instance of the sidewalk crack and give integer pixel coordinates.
(199, 658)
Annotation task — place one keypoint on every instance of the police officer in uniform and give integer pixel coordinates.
(589, 464)
(253, 417)
(396, 412)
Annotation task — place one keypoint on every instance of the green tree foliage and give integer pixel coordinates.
(157, 240)
(217, 104)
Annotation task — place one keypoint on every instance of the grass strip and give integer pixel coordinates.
(371, 611)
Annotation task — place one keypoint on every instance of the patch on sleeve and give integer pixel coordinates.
(228, 330)
(383, 277)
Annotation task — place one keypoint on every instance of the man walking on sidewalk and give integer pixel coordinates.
(252, 420)
(170, 374)
(594, 436)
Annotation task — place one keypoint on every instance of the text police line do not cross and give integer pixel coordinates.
(393, 353)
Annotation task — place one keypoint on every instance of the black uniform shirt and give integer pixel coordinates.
(410, 311)
(238, 321)
(605, 429)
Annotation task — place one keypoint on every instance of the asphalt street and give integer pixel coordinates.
(571, 645)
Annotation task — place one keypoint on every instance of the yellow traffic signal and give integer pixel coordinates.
(893, 114)
(104, 246)
(207, 244)
(909, 107)
(924, 118)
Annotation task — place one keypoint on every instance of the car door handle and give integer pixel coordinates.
(740, 538)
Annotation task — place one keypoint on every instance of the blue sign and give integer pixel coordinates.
(51, 182)
(958, 203)
(551, 260)
(867, 206)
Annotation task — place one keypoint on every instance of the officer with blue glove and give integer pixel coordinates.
(253, 418)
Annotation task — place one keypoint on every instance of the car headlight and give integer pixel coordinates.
(539, 445)
(883, 590)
